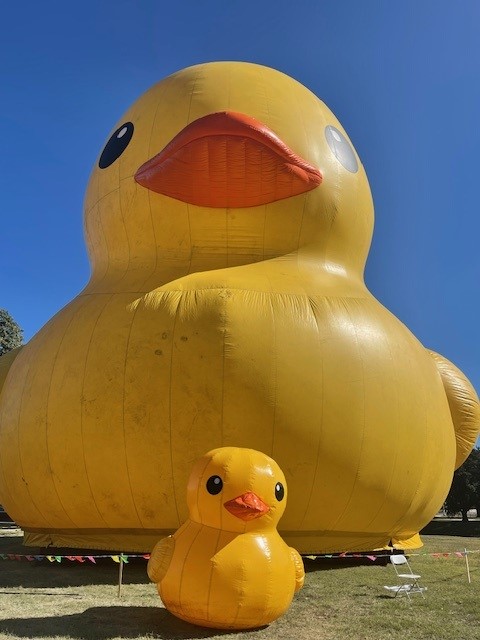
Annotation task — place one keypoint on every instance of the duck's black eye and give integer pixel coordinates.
(341, 148)
(214, 485)
(279, 491)
(116, 145)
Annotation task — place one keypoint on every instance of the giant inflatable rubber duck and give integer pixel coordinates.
(227, 567)
(228, 220)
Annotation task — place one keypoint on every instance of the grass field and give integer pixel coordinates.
(341, 600)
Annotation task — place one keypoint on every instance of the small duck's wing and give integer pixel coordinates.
(6, 362)
(464, 406)
(160, 559)
(299, 569)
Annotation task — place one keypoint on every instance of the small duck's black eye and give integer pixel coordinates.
(341, 149)
(279, 491)
(116, 145)
(214, 485)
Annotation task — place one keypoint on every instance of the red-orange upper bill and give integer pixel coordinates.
(247, 506)
(228, 159)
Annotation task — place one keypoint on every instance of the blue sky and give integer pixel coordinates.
(403, 78)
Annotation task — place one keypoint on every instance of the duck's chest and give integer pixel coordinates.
(216, 566)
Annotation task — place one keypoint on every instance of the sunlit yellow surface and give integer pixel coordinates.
(252, 327)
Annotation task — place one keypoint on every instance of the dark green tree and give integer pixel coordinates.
(11, 336)
(465, 490)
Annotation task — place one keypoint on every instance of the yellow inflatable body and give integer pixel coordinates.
(228, 221)
(227, 567)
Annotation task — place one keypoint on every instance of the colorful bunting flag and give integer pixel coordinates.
(124, 557)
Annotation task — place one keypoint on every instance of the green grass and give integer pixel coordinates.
(340, 600)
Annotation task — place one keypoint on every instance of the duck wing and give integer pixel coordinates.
(160, 559)
(299, 569)
(464, 406)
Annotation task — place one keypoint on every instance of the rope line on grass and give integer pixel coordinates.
(124, 557)
(121, 557)
(375, 556)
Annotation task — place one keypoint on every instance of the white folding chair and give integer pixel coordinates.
(409, 581)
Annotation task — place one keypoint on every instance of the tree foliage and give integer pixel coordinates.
(11, 336)
(465, 490)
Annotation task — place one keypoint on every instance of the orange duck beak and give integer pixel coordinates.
(227, 159)
(247, 507)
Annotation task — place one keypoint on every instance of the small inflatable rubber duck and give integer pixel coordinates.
(228, 219)
(227, 567)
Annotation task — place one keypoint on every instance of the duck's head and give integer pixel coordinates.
(223, 164)
(236, 490)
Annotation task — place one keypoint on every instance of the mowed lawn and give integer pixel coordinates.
(340, 600)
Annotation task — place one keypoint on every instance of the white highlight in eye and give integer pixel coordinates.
(334, 134)
(122, 132)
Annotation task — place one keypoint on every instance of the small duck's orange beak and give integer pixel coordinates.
(247, 506)
(227, 159)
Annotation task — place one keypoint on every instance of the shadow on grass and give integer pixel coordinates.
(328, 564)
(68, 574)
(451, 527)
(102, 623)
(43, 573)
